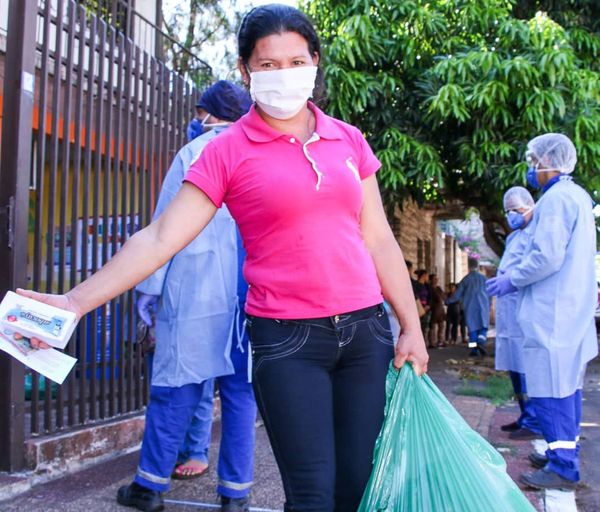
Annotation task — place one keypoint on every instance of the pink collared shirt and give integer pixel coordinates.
(298, 210)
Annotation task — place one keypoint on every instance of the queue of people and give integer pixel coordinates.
(319, 259)
(440, 325)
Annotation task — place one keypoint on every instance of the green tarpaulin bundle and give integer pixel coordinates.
(428, 459)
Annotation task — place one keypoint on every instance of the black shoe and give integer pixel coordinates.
(473, 353)
(510, 427)
(144, 499)
(235, 504)
(546, 479)
(524, 434)
(538, 460)
(482, 351)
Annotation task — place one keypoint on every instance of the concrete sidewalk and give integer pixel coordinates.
(94, 489)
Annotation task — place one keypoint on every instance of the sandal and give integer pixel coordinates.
(187, 471)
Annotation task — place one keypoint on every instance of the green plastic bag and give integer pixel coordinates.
(428, 459)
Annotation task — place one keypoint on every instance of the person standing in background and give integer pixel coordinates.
(438, 313)
(518, 206)
(199, 335)
(423, 295)
(476, 303)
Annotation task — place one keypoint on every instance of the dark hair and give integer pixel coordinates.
(431, 276)
(473, 263)
(421, 272)
(409, 264)
(266, 20)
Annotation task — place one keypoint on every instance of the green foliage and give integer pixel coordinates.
(195, 29)
(448, 92)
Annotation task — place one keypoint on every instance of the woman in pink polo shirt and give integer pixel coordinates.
(320, 258)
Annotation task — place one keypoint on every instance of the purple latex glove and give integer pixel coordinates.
(145, 307)
(500, 285)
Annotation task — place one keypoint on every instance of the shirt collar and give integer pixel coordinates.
(257, 130)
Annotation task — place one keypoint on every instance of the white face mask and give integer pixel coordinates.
(282, 93)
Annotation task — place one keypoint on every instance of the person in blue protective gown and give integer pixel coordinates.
(518, 206)
(556, 298)
(476, 306)
(199, 299)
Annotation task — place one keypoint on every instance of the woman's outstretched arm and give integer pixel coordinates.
(147, 250)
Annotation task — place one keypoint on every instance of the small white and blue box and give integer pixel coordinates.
(35, 319)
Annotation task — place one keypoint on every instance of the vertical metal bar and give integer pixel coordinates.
(162, 130)
(144, 172)
(54, 156)
(100, 347)
(75, 231)
(168, 133)
(64, 177)
(66, 147)
(106, 195)
(158, 48)
(125, 352)
(115, 201)
(171, 119)
(19, 85)
(152, 137)
(189, 105)
(134, 219)
(86, 393)
(39, 193)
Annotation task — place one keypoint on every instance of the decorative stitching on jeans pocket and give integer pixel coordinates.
(269, 346)
(294, 346)
(379, 332)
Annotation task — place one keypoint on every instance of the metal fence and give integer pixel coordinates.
(107, 119)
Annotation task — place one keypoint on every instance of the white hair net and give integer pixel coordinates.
(518, 197)
(553, 151)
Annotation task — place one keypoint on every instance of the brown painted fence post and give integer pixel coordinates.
(19, 84)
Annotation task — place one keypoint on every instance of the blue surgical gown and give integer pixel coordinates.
(509, 336)
(558, 292)
(198, 302)
(476, 303)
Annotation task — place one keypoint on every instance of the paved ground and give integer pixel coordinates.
(94, 489)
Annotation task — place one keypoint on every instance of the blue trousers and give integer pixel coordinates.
(559, 420)
(477, 337)
(527, 419)
(197, 438)
(170, 413)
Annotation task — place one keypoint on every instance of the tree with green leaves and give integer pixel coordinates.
(197, 29)
(448, 92)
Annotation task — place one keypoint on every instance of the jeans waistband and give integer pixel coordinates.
(328, 321)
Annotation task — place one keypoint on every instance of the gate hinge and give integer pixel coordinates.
(8, 212)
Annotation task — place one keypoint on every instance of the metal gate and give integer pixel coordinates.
(90, 124)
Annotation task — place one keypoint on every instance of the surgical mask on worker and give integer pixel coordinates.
(209, 126)
(532, 180)
(516, 220)
(282, 93)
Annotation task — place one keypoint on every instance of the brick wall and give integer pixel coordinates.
(416, 231)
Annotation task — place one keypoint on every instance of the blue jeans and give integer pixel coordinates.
(320, 388)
